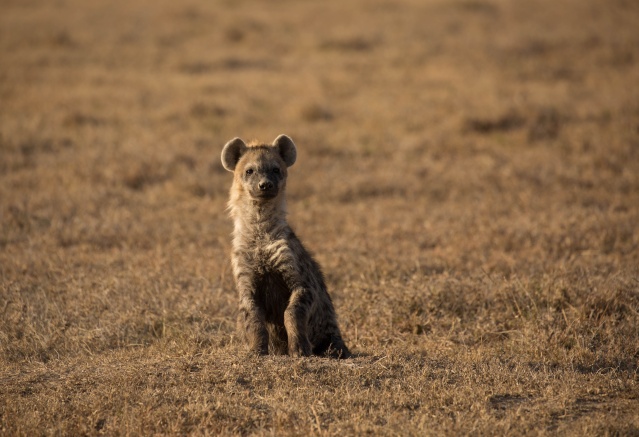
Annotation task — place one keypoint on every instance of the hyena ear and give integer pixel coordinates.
(232, 152)
(287, 149)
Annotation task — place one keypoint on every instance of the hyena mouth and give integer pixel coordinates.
(265, 195)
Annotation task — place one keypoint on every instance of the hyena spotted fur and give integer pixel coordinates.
(284, 304)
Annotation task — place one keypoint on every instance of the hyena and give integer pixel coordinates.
(284, 304)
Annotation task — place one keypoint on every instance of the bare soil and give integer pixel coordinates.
(467, 175)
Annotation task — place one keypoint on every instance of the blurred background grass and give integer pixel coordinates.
(467, 177)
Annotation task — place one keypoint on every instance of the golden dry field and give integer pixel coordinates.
(467, 175)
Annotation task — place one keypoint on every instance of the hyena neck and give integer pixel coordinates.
(255, 219)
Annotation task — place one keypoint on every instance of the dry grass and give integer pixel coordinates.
(468, 176)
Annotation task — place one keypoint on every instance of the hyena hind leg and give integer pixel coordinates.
(332, 346)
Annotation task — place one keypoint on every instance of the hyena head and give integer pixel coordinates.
(259, 170)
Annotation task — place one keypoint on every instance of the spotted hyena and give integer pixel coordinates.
(284, 305)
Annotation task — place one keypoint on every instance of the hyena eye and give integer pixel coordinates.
(276, 170)
(249, 171)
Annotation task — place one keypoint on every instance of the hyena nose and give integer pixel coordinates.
(265, 185)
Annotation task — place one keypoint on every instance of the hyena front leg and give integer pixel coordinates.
(296, 322)
(251, 319)
(251, 322)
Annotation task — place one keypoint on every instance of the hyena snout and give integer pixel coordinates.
(266, 188)
(265, 185)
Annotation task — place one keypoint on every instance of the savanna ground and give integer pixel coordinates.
(468, 176)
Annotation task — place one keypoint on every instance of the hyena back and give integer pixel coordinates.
(284, 304)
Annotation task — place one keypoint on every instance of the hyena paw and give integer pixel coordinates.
(299, 348)
(340, 352)
(259, 346)
(259, 351)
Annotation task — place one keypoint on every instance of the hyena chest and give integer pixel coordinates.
(271, 291)
(272, 294)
